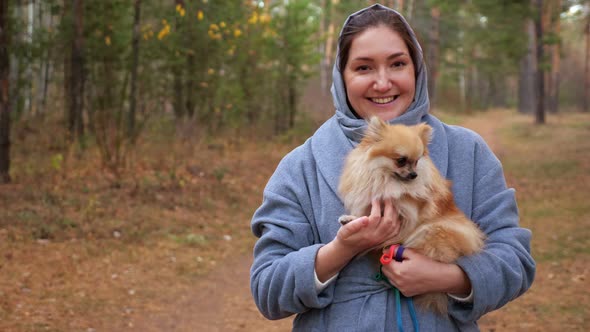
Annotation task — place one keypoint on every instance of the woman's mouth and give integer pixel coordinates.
(383, 100)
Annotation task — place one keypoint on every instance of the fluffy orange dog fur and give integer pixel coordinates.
(392, 163)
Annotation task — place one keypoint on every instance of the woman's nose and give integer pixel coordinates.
(382, 82)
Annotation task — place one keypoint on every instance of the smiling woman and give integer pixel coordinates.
(379, 75)
(306, 264)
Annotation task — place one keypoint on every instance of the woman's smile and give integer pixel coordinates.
(383, 100)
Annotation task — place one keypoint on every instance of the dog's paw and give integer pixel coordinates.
(345, 219)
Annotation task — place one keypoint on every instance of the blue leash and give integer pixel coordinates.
(398, 303)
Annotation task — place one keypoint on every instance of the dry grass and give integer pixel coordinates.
(549, 166)
(83, 249)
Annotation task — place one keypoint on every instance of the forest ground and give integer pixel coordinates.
(165, 245)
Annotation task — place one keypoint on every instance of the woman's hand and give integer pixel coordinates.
(366, 233)
(356, 237)
(419, 274)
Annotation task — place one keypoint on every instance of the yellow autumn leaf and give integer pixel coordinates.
(264, 18)
(253, 19)
(107, 40)
(164, 32)
(200, 15)
(237, 33)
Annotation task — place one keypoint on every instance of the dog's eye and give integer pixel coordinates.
(401, 162)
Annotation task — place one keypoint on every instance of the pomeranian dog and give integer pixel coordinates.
(392, 163)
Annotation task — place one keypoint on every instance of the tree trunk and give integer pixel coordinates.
(410, 10)
(4, 94)
(552, 24)
(190, 69)
(177, 74)
(556, 61)
(41, 88)
(76, 85)
(587, 67)
(134, 64)
(292, 103)
(326, 65)
(28, 87)
(526, 78)
(540, 87)
(432, 55)
(16, 70)
(47, 70)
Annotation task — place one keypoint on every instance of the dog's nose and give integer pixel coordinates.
(412, 176)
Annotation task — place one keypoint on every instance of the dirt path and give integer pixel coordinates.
(222, 301)
(486, 125)
(219, 302)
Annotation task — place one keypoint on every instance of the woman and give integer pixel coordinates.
(304, 262)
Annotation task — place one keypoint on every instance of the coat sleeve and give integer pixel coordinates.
(282, 278)
(505, 268)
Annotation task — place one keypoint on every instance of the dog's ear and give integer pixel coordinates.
(375, 129)
(425, 133)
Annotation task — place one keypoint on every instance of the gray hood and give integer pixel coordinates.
(353, 126)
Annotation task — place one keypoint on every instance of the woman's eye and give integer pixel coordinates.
(401, 162)
(362, 68)
(398, 64)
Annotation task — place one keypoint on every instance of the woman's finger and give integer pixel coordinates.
(388, 210)
(375, 211)
(354, 226)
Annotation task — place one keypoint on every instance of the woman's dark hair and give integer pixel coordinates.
(374, 17)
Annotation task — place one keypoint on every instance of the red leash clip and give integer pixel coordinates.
(396, 252)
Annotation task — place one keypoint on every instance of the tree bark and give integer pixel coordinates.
(552, 24)
(77, 77)
(432, 53)
(540, 86)
(326, 65)
(556, 62)
(4, 94)
(177, 74)
(134, 64)
(526, 79)
(41, 88)
(587, 67)
(410, 10)
(28, 87)
(16, 70)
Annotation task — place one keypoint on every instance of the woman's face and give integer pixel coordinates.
(379, 75)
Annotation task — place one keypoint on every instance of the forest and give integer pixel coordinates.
(105, 68)
(136, 137)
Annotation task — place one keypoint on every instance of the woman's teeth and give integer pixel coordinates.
(384, 100)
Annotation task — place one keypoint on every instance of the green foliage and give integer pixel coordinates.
(229, 64)
(191, 239)
(220, 173)
(57, 161)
